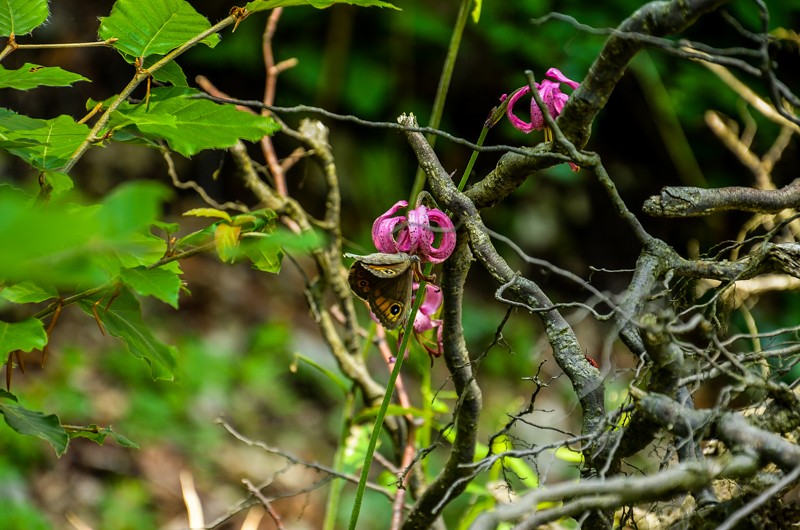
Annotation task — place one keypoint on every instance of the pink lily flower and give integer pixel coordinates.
(551, 94)
(553, 98)
(415, 233)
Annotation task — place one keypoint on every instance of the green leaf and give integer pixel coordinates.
(131, 207)
(263, 251)
(153, 27)
(263, 5)
(61, 243)
(20, 17)
(123, 319)
(476, 11)
(46, 144)
(99, 434)
(26, 336)
(169, 73)
(55, 238)
(60, 182)
(160, 282)
(191, 125)
(32, 75)
(27, 292)
(33, 423)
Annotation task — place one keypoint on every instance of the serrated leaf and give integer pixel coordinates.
(153, 27)
(226, 240)
(28, 292)
(263, 5)
(160, 282)
(32, 75)
(123, 319)
(50, 143)
(26, 336)
(20, 17)
(190, 125)
(209, 212)
(34, 423)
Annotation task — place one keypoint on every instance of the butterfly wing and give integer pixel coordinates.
(384, 281)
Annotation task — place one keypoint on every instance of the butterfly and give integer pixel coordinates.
(384, 281)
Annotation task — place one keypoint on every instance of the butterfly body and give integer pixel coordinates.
(384, 281)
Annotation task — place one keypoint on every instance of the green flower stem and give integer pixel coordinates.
(472, 159)
(387, 398)
(444, 85)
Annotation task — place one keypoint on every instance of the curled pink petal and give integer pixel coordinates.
(383, 229)
(419, 230)
(433, 300)
(430, 305)
(556, 74)
(413, 233)
(448, 239)
(515, 121)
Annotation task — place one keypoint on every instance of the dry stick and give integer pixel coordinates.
(264, 502)
(192, 185)
(299, 461)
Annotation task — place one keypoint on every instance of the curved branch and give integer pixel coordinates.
(731, 428)
(686, 201)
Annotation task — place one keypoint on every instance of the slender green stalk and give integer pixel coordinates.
(335, 493)
(387, 398)
(472, 159)
(444, 85)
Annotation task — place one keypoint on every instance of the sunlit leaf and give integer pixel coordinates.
(209, 212)
(153, 27)
(568, 455)
(33, 423)
(20, 17)
(226, 239)
(122, 318)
